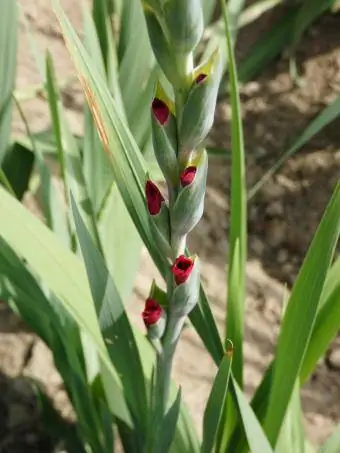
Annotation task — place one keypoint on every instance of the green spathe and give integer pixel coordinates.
(199, 109)
(185, 24)
(188, 208)
(161, 47)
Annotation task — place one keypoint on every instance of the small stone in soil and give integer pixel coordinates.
(333, 359)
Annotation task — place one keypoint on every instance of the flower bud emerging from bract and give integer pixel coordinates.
(188, 175)
(154, 197)
(188, 208)
(164, 135)
(182, 268)
(159, 216)
(154, 318)
(199, 109)
(160, 110)
(186, 274)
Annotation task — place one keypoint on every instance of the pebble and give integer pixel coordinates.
(272, 191)
(257, 246)
(282, 256)
(333, 359)
(276, 232)
(275, 209)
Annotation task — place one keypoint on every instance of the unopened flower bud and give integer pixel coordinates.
(154, 318)
(188, 208)
(181, 269)
(159, 216)
(188, 175)
(186, 275)
(164, 135)
(154, 198)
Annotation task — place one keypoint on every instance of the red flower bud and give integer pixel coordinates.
(154, 197)
(188, 175)
(152, 312)
(182, 268)
(160, 110)
(200, 78)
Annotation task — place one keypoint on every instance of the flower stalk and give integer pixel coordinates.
(179, 125)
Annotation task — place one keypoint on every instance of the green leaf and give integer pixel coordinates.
(17, 166)
(268, 47)
(65, 276)
(215, 404)
(332, 444)
(329, 114)
(113, 321)
(309, 11)
(97, 171)
(56, 425)
(169, 425)
(238, 218)
(292, 436)
(9, 27)
(326, 327)
(300, 316)
(69, 155)
(257, 441)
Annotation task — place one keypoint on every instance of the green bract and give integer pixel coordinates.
(184, 20)
(161, 47)
(199, 109)
(189, 206)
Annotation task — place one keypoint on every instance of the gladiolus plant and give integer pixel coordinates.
(70, 275)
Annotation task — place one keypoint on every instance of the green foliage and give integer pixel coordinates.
(71, 275)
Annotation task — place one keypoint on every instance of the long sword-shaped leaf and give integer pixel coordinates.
(216, 402)
(8, 56)
(69, 155)
(300, 316)
(65, 276)
(238, 219)
(332, 445)
(257, 441)
(113, 321)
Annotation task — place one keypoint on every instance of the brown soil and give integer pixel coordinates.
(282, 220)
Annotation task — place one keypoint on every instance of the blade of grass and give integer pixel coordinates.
(114, 322)
(50, 198)
(238, 219)
(292, 436)
(268, 47)
(66, 277)
(332, 444)
(329, 114)
(9, 27)
(69, 155)
(256, 438)
(300, 316)
(214, 409)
